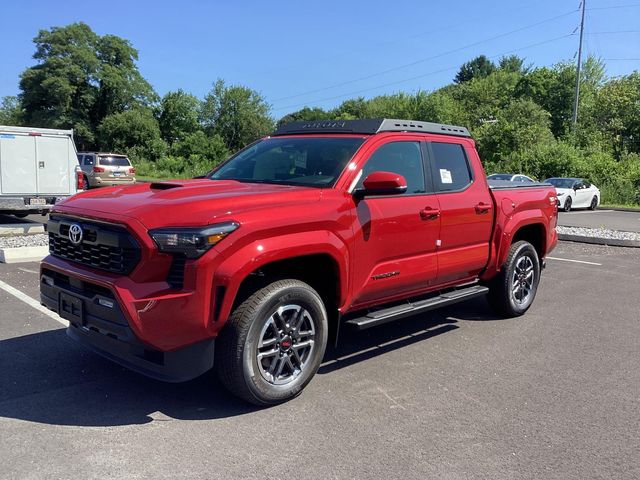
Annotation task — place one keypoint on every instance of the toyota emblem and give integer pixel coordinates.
(75, 234)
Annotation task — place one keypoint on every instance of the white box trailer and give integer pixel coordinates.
(38, 167)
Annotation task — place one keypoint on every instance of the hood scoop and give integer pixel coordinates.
(165, 185)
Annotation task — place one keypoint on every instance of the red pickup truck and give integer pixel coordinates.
(320, 226)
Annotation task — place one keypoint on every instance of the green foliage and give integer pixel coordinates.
(306, 113)
(479, 67)
(238, 114)
(179, 115)
(208, 148)
(134, 132)
(10, 111)
(81, 78)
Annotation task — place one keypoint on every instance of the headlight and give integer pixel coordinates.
(191, 242)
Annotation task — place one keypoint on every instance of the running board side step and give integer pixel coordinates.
(379, 317)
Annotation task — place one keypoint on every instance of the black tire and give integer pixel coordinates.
(86, 183)
(501, 290)
(22, 214)
(567, 204)
(594, 203)
(237, 346)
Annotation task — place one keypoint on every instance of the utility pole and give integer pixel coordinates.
(577, 99)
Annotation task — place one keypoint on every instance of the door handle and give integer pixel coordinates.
(429, 213)
(482, 208)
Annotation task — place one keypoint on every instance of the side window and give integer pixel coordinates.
(586, 184)
(527, 180)
(398, 157)
(450, 167)
(88, 159)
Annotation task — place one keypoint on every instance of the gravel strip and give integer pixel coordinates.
(599, 233)
(39, 240)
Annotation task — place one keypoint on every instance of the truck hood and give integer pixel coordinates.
(185, 202)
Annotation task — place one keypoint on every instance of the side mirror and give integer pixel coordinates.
(382, 183)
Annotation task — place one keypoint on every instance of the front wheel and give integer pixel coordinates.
(567, 204)
(273, 343)
(512, 291)
(594, 203)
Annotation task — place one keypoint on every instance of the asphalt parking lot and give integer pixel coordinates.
(455, 394)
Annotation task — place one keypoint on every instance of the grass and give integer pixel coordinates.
(616, 205)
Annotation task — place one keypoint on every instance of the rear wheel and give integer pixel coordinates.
(567, 204)
(512, 292)
(273, 343)
(594, 203)
(21, 214)
(86, 183)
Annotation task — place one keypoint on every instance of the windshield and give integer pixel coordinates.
(561, 182)
(309, 161)
(115, 161)
(500, 176)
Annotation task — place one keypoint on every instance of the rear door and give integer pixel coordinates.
(466, 210)
(54, 164)
(18, 163)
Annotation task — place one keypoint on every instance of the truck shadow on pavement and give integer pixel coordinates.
(48, 378)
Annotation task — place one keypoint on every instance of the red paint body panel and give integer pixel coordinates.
(381, 248)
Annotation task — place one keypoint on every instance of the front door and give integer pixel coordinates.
(395, 246)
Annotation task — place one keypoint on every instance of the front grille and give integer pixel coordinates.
(103, 246)
(175, 277)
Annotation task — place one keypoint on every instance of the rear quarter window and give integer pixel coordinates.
(451, 167)
(115, 161)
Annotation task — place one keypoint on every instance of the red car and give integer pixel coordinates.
(320, 226)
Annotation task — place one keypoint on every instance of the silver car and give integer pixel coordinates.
(106, 169)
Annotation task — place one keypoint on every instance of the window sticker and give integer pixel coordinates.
(445, 176)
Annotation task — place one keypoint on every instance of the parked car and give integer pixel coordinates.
(106, 169)
(318, 227)
(510, 177)
(38, 167)
(575, 193)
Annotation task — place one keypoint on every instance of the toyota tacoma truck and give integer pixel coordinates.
(320, 226)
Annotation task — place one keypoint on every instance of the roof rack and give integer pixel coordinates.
(369, 126)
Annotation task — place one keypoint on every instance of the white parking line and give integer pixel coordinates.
(574, 261)
(31, 302)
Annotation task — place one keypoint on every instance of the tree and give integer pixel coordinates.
(307, 113)
(479, 67)
(616, 113)
(512, 63)
(198, 146)
(134, 132)
(79, 79)
(238, 114)
(178, 116)
(10, 111)
(521, 125)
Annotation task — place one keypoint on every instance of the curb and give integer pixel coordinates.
(612, 242)
(23, 254)
(620, 209)
(21, 229)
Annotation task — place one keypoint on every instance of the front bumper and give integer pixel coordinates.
(96, 319)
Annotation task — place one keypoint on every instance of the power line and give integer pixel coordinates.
(422, 60)
(288, 107)
(630, 5)
(612, 32)
(621, 59)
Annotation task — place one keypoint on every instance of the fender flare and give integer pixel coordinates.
(241, 263)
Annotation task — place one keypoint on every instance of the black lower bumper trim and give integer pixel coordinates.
(180, 365)
(105, 330)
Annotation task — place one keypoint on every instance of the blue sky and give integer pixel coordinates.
(321, 53)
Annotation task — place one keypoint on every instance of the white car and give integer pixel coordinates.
(510, 177)
(575, 193)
